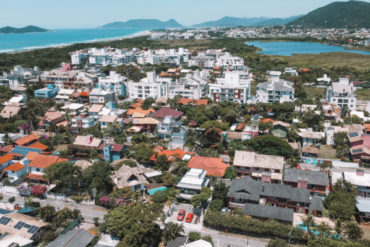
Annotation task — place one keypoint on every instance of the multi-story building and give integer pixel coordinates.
(275, 90)
(267, 168)
(227, 61)
(113, 83)
(342, 93)
(151, 86)
(233, 87)
(98, 96)
(191, 87)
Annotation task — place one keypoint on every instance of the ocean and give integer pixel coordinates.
(60, 37)
(283, 48)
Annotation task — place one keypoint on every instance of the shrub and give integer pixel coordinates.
(194, 236)
(160, 196)
(77, 199)
(277, 243)
(246, 225)
(12, 199)
(48, 236)
(216, 205)
(96, 221)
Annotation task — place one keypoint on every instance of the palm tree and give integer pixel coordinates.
(324, 229)
(171, 231)
(309, 223)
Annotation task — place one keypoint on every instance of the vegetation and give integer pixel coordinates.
(271, 145)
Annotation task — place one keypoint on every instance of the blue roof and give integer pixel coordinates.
(5, 211)
(26, 210)
(25, 150)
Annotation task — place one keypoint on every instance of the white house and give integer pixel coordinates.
(192, 182)
(99, 96)
(275, 90)
(113, 83)
(151, 86)
(17, 170)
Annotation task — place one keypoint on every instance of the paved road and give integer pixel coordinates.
(88, 212)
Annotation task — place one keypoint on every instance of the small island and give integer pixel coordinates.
(27, 29)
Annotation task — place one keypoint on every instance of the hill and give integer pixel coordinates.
(245, 22)
(27, 29)
(144, 23)
(351, 14)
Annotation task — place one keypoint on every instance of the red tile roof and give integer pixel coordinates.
(15, 167)
(214, 166)
(38, 145)
(25, 140)
(7, 149)
(171, 155)
(43, 161)
(6, 158)
(185, 101)
(166, 111)
(34, 176)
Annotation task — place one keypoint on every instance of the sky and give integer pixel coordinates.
(54, 14)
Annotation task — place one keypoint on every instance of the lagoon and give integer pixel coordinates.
(288, 48)
(30, 41)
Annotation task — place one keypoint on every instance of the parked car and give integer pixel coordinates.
(181, 215)
(189, 218)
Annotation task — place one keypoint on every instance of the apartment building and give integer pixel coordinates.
(275, 90)
(342, 93)
(151, 86)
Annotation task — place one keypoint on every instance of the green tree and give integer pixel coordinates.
(277, 243)
(148, 103)
(97, 177)
(194, 236)
(201, 198)
(47, 213)
(143, 153)
(353, 231)
(230, 173)
(162, 163)
(309, 223)
(171, 231)
(271, 145)
(168, 179)
(324, 229)
(341, 144)
(134, 224)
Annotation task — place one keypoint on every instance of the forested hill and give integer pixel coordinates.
(27, 29)
(351, 14)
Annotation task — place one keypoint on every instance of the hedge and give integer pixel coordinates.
(245, 225)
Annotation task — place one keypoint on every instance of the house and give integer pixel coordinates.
(172, 155)
(132, 177)
(111, 152)
(87, 142)
(50, 91)
(280, 129)
(107, 120)
(80, 122)
(113, 83)
(323, 81)
(168, 128)
(99, 96)
(51, 118)
(27, 140)
(73, 238)
(360, 178)
(310, 138)
(95, 109)
(38, 163)
(10, 110)
(316, 182)
(363, 209)
(262, 212)
(21, 151)
(167, 112)
(276, 90)
(17, 170)
(192, 182)
(6, 160)
(19, 229)
(231, 88)
(342, 93)
(310, 151)
(146, 124)
(185, 101)
(267, 168)
(215, 167)
(246, 190)
(64, 95)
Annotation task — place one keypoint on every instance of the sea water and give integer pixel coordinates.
(29, 41)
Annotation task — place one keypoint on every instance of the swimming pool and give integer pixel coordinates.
(312, 161)
(153, 191)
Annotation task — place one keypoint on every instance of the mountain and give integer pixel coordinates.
(144, 23)
(351, 14)
(27, 29)
(245, 22)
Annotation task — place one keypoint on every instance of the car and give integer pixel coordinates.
(181, 215)
(189, 218)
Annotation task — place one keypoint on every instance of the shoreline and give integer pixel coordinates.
(28, 49)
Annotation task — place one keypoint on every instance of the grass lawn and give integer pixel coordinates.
(328, 60)
(314, 93)
(363, 94)
(61, 147)
(327, 152)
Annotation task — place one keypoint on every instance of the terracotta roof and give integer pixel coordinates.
(44, 161)
(166, 111)
(15, 167)
(51, 116)
(310, 150)
(266, 120)
(140, 110)
(27, 139)
(6, 158)
(171, 155)
(7, 149)
(213, 166)
(39, 145)
(367, 127)
(185, 101)
(34, 176)
(147, 120)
